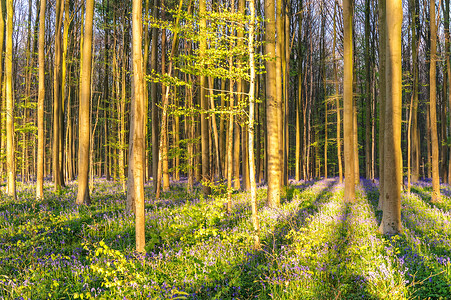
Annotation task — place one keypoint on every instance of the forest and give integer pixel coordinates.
(225, 149)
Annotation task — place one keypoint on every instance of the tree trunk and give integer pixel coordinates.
(337, 98)
(10, 155)
(153, 97)
(84, 114)
(368, 70)
(41, 98)
(206, 189)
(272, 107)
(433, 106)
(57, 100)
(253, 185)
(137, 127)
(414, 131)
(348, 118)
(382, 82)
(391, 218)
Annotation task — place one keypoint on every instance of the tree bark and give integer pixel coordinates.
(382, 64)
(10, 155)
(57, 100)
(137, 127)
(206, 180)
(433, 106)
(41, 98)
(348, 100)
(253, 185)
(391, 218)
(272, 107)
(84, 114)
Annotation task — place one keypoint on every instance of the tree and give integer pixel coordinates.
(137, 126)
(272, 110)
(41, 98)
(84, 128)
(251, 126)
(391, 218)
(382, 42)
(433, 106)
(58, 101)
(204, 106)
(10, 155)
(348, 116)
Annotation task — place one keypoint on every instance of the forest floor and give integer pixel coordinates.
(315, 246)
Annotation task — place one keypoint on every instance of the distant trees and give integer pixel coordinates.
(232, 94)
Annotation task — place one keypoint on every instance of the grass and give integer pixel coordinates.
(314, 246)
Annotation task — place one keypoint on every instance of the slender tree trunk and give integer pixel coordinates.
(106, 94)
(356, 143)
(279, 86)
(337, 98)
(137, 127)
(415, 134)
(10, 155)
(391, 218)
(253, 185)
(382, 82)
(215, 129)
(84, 114)
(272, 113)
(448, 68)
(368, 70)
(163, 159)
(348, 100)
(58, 101)
(153, 98)
(41, 98)
(206, 189)
(433, 106)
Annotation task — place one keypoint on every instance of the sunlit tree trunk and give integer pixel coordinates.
(448, 68)
(153, 97)
(414, 130)
(391, 218)
(2, 93)
(137, 127)
(253, 184)
(382, 58)
(206, 189)
(10, 155)
(41, 98)
(272, 110)
(57, 100)
(348, 102)
(337, 98)
(106, 94)
(84, 115)
(368, 157)
(433, 106)
(299, 100)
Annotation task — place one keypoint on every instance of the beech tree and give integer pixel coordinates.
(41, 98)
(137, 127)
(348, 100)
(10, 148)
(84, 113)
(391, 218)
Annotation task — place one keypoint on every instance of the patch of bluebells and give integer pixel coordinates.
(314, 246)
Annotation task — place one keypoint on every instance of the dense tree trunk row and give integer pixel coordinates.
(214, 95)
